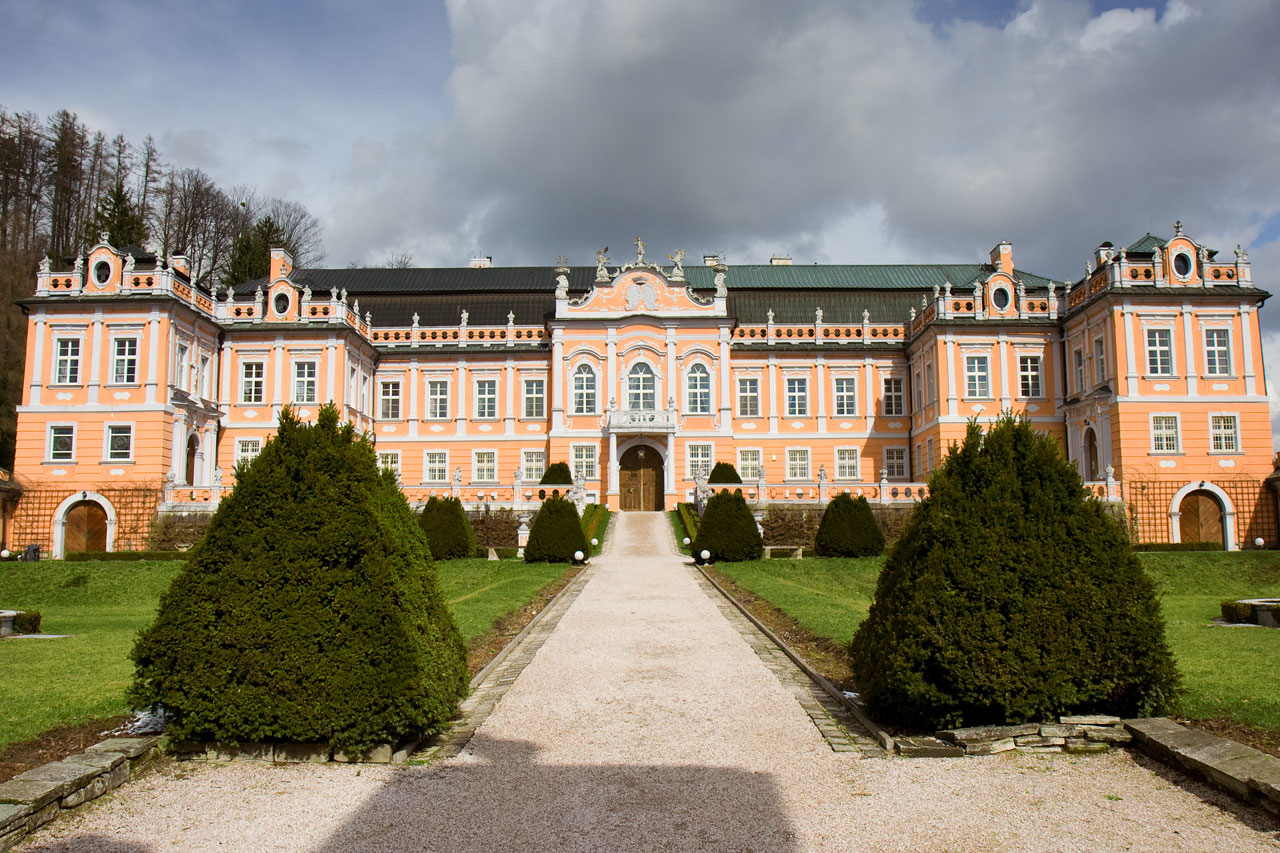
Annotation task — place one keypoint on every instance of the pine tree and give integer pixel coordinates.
(556, 533)
(447, 529)
(728, 530)
(848, 529)
(251, 252)
(119, 219)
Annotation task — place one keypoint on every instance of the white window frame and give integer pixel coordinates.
(639, 397)
(1028, 378)
(845, 401)
(1154, 350)
(797, 396)
(928, 454)
(930, 384)
(745, 471)
(110, 431)
(692, 466)
(427, 466)
(796, 456)
(531, 468)
(305, 387)
(584, 397)
(437, 398)
(697, 384)
(917, 391)
(1099, 360)
(66, 366)
(1224, 351)
(477, 470)
(1217, 436)
(257, 383)
(182, 365)
(242, 454)
(49, 454)
(893, 403)
(394, 455)
(584, 461)
(486, 398)
(897, 468)
(842, 469)
(1078, 369)
(124, 361)
(751, 396)
(538, 410)
(977, 382)
(389, 404)
(1159, 437)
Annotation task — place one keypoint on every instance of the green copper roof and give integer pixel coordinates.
(1148, 243)
(922, 277)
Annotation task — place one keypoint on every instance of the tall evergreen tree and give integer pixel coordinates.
(251, 252)
(119, 219)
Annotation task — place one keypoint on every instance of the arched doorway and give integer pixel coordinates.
(640, 480)
(86, 527)
(193, 445)
(1091, 455)
(1200, 518)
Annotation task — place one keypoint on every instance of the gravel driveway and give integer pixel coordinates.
(646, 722)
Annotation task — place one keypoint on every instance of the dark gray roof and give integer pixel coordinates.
(798, 306)
(453, 279)
(445, 309)
(921, 277)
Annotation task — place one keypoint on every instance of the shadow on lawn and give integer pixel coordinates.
(508, 801)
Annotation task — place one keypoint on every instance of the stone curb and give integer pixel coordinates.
(885, 739)
(32, 799)
(1247, 773)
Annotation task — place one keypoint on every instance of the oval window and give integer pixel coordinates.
(102, 272)
(281, 303)
(1000, 298)
(1182, 264)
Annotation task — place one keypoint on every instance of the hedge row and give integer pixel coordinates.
(120, 556)
(689, 518)
(595, 521)
(1178, 546)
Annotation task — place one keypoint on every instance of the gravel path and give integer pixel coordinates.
(646, 722)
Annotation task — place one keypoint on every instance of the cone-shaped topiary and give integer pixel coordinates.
(848, 529)
(310, 611)
(447, 529)
(728, 530)
(723, 472)
(557, 473)
(556, 533)
(1011, 597)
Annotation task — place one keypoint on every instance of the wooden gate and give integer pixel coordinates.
(640, 480)
(1200, 518)
(86, 528)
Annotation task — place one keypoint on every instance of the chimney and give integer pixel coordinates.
(281, 264)
(1002, 257)
(482, 263)
(1102, 254)
(780, 261)
(711, 260)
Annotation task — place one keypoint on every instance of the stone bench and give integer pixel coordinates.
(785, 552)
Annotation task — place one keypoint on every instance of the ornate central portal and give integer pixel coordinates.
(640, 480)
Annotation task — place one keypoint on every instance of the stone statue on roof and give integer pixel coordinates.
(78, 266)
(1242, 257)
(465, 316)
(129, 262)
(677, 260)
(44, 262)
(511, 318)
(602, 274)
(562, 286)
(721, 271)
(639, 244)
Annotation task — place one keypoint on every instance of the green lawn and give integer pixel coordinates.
(103, 605)
(1227, 672)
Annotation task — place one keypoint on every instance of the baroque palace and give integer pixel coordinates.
(144, 391)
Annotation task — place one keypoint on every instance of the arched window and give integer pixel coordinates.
(698, 384)
(641, 396)
(584, 391)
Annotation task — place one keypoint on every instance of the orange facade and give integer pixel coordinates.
(144, 390)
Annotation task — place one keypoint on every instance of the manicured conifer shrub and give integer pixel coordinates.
(448, 532)
(557, 473)
(310, 611)
(1011, 597)
(849, 529)
(723, 472)
(556, 533)
(728, 530)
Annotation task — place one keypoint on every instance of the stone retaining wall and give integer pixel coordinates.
(1073, 734)
(1244, 771)
(32, 799)
(282, 753)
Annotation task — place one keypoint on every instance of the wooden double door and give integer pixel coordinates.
(86, 528)
(1200, 518)
(640, 480)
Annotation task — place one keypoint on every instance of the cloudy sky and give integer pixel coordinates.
(860, 132)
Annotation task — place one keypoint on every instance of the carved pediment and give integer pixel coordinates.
(643, 290)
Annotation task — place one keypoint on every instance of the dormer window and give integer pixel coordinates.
(102, 272)
(1000, 298)
(280, 304)
(1182, 264)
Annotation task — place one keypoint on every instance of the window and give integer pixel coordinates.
(124, 368)
(928, 455)
(748, 397)
(1224, 436)
(895, 463)
(251, 381)
(120, 442)
(893, 397)
(1160, 352)
(364, 393)
(641, 395)
(304, 382)
(931, 383)
(181, 368)
(532, 465)
(797, 463)
(67, 366)
(846, 396)
(62, 443)
(390, 459)
(916, 390)
(915, 462)
(1099, 361)
(749, 464)
(584, 391)
(435, 466)
(698, 384)
(485, 467)
(584, 461)
(437, 399)
(797, 397)
(846, 463)
(977, 377)
(486, 399)
(1217, 352)
(1077, 364)
(1030, 375)
(535, 397)
(389, 401)
(202, 378)
(699, 460)
(247, 449)
(1164, 434)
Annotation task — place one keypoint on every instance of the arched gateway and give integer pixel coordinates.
(640, 479)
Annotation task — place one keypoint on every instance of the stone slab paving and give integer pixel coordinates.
(646, 722)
